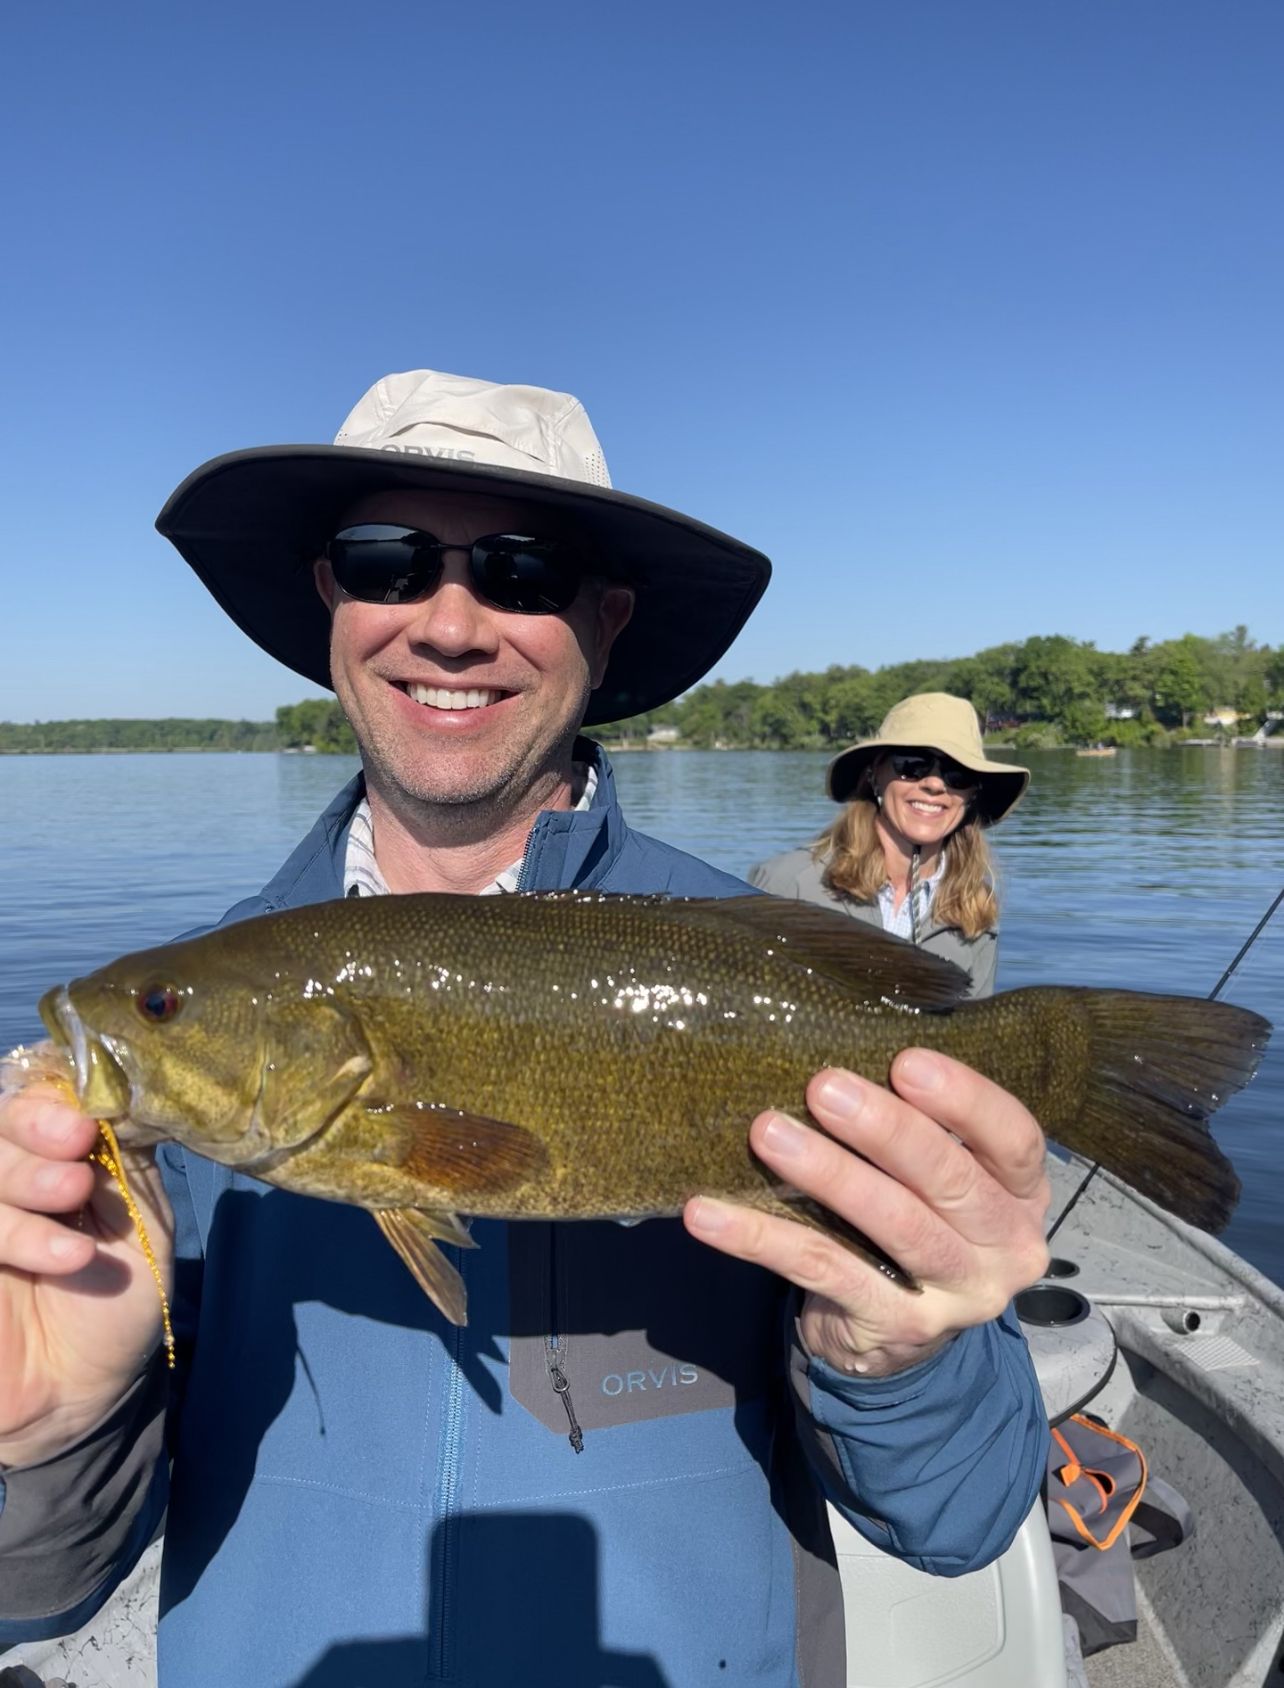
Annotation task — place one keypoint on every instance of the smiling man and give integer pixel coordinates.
(466, 719)
(616, 1471)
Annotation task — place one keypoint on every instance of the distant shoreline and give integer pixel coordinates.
(612, 749)
(1045, 693)
(146, 750)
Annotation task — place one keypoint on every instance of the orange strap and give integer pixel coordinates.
(1101, 1481)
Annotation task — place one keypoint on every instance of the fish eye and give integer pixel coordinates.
(158, 1003)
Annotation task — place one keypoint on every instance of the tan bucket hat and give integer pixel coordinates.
(933, 721)
(250, 524)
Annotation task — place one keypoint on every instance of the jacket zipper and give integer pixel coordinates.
(526, 856)
(447, 1509)
(557, 1349)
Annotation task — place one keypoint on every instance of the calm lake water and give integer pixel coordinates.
(1146, 870)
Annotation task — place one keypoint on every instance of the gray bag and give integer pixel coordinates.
(1104, 1511)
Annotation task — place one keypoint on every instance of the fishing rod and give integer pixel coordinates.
(1216, 991)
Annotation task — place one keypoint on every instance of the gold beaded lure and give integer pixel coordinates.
(107, 1155)
(44, 1063)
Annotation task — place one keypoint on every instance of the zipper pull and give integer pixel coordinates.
(561, 1383)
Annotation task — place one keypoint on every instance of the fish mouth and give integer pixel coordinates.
(102, 1088)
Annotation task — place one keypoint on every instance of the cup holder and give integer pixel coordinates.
(1050, 1304)
(1058, 1268)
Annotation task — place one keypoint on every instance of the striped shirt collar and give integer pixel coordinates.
(361, 875)
(898, 921)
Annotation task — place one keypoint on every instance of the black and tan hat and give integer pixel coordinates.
(251, 523)
(933, 721)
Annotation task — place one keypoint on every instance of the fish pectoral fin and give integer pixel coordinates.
(316, 1058)
(870, 963)
(415, 1234)
(462, 1152)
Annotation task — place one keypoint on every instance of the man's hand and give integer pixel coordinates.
(947, 1176)
(79, 1311)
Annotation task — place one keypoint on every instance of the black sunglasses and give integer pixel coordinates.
(380, 564)
(917, 765)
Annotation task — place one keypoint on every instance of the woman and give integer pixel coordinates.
(908, 852)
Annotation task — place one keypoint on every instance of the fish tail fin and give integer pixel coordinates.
(1158, 1066)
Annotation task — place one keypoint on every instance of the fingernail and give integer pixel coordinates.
(709, 1218)
(842, 1096)
(56, 1124)
(784, 1136)
(922, 1070)
(49, 1177)
(62, 1246)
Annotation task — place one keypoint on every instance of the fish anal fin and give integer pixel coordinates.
(415, 1235)
(872, 964)
(461, 1152)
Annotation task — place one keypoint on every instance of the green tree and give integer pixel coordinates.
(1049, 675)
(1180, 684)
(317, 723)
(1084, 723)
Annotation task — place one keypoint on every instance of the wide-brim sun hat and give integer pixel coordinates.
(251, 523)
(948, 725)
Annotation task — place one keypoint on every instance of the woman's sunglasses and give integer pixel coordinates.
(380, 564)
(914, 765)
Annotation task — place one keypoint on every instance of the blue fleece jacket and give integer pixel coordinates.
(363, 1494)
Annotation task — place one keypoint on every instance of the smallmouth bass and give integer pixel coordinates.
(583, 1056)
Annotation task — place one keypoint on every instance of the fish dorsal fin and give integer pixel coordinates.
(872, 964)
(415, 1234)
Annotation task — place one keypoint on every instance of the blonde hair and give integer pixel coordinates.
(853, 853)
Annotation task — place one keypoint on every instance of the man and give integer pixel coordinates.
(615, 1471)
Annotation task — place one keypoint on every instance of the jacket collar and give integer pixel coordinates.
(565, 851)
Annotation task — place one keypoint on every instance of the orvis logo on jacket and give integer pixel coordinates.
(615, 1311)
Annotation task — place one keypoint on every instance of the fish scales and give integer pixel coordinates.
(585, 1056)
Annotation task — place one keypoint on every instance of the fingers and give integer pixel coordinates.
(907, 1145)
(965, 1222)
(42, 1172)
(885, 1203)
(806, 1257)
(1002, 1134)
(42, 1186)
(44, 1123)
(32, 1243)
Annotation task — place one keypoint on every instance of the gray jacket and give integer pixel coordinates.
(799, 875)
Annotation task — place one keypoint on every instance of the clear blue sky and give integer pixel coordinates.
(968, 312)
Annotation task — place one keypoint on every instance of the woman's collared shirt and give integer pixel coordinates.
(916, 906)
(798, 875)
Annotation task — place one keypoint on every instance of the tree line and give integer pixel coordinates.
(174, 733)
(315, 724)
(1043, 692)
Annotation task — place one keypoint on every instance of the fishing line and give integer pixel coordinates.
(1095, 1168)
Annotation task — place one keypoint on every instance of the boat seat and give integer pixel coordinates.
(995, 1628)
